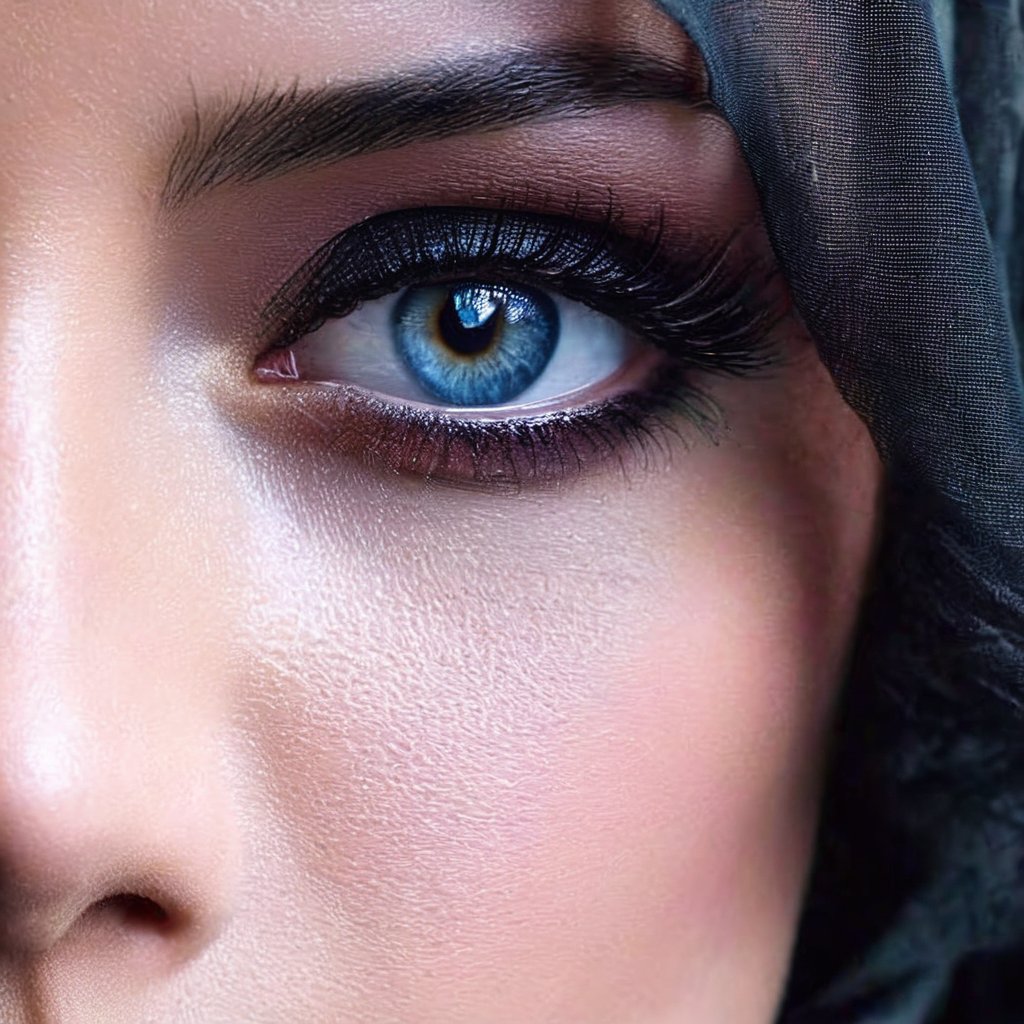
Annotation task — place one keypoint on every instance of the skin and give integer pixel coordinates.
(285, 736)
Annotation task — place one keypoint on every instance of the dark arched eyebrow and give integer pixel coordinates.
(268, 133)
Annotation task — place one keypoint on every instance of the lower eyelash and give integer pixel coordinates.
(634, 430)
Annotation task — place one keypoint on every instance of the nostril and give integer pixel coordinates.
(131, 911)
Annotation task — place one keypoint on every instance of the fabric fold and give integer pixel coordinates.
(896, 216)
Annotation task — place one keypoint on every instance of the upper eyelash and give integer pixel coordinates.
(705, 308)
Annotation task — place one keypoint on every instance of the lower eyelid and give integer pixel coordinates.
(633, 430)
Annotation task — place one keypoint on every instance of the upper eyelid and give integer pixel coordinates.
(698, 304)
(362, 244)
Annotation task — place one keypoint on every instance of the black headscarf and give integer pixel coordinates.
(885, 140)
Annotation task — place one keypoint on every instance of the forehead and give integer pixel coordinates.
(94, 91)
(170, 48)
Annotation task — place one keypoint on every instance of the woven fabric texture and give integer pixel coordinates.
(885, 140)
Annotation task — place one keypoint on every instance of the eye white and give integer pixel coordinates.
(359, 349)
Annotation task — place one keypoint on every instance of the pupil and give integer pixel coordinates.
(470, 319)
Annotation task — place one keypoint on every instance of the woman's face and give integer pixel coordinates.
(454, 660)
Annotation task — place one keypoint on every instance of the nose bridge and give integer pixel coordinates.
(30, 444)
(49, 448)
(73, 346)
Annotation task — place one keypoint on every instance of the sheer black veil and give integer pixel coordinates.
(884, 137)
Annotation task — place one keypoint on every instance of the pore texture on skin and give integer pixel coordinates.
(325, 698)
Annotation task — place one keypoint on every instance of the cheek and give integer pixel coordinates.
(569, 738)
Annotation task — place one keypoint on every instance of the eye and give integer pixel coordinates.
(468, 345)
(495, 347)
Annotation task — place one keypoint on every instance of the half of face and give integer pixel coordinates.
(429, 541)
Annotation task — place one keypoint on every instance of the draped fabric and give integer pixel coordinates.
(884, 137)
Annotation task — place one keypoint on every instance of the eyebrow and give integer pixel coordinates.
(268, 133)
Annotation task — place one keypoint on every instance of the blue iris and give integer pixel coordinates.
(472, 343)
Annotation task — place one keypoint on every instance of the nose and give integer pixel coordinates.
(108, 840)
(117, 835)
